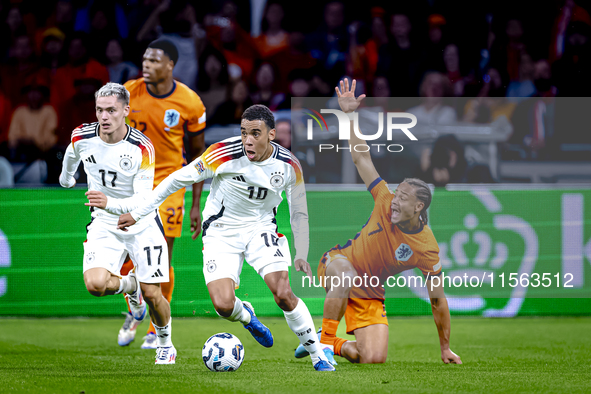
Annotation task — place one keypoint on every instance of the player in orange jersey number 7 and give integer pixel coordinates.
(395, 238)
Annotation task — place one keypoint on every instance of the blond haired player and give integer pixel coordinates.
(119, 163)
(166, 111)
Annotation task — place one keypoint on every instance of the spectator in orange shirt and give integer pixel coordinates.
(274, 38)
(32, 128)
(79, 66)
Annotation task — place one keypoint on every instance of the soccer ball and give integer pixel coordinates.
(223, 352)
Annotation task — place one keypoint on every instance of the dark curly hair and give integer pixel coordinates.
(260, 112)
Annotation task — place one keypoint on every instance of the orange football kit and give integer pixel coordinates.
(166, 119)
(381, 250)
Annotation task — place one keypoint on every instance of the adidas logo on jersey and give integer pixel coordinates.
(157, 274)
(278, 254)
(90, 159)
(239, 178)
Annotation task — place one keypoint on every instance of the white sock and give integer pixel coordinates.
(126, 285)
(164, 333)
(301, 323)
(239, 313)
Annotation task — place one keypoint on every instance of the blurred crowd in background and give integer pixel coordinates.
(471, 62)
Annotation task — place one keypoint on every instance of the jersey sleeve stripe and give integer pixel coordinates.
(223, 153)
(147, 149)
(218, 147)
(84, 131)
(79, 133)
(145, 140)
(212, 155)
(144, 145)
(374, 183)
(141, 137)
(288, 157)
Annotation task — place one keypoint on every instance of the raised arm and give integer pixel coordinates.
(440, 311)
(361, 156)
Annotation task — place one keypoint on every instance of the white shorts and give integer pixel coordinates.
(106, 247)
(225, 249)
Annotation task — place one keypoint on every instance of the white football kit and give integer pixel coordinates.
(239, 216)
(120, 171)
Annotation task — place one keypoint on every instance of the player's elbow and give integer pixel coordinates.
(64, 182)
(359, 157)
(362, 160)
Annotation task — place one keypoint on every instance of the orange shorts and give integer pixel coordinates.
(360, 312)
(171, 212)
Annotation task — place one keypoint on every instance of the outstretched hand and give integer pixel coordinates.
(195, 216)
(347, 100)
(450, 357)
(303, 266)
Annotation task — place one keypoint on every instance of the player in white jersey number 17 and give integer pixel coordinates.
(119, 162)
(249, 174)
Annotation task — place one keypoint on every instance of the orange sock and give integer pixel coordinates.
(125, 268)
(338, 344)
(329, 331)
(167, 289)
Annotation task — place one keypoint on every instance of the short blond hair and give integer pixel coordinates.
(113, 89)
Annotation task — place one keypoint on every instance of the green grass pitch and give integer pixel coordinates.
(81, 356)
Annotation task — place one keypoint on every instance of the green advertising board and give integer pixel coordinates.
(504, 252)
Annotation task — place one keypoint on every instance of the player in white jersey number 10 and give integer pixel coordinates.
(119, 162)
(249, 174)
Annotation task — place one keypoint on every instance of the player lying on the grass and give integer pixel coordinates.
(249, 173)
(119, 162)
(394, 239)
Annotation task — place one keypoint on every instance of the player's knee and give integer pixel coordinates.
(152, 294)
(373, 358)
(340, 277)
(95, 286)
(341, 284)
(349, 351)
(223, 307)
(285, 298)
